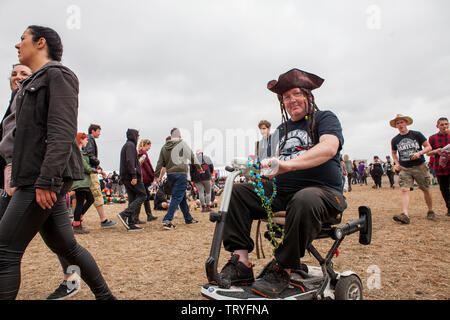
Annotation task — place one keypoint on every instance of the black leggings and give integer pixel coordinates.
(148, 210)
(22, 220)
(84, 201)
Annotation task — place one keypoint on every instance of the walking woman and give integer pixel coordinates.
(377, 172)
(148, 174)
(82, 189)
(45, 162)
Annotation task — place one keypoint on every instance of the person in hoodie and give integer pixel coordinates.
(130, 173)
(46, 118)
(174, 157)
(148, 174)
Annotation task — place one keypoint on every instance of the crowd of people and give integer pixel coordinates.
(62, 169)
(357, 171)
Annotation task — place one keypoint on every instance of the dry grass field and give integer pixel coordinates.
(412, 260)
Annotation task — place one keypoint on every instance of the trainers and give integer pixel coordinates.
(272, 281)
(192, 221)
(431, 215)
(133, 227)
(151, 218)
(124, 219)
(403, 218)
(236, 273)
(80, 229)
(64, 291)
(107, 224)
(168, 225)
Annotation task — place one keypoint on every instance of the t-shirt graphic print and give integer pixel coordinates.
(298, 142)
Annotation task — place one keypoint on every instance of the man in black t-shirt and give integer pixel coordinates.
(309, 187)
(411, 164)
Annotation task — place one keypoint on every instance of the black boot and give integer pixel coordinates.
(151, 217)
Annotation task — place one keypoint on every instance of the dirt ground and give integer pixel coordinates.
(402, 262)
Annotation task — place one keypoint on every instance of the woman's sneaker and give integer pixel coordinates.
(65, 291)
(80, 229)
(235, 273)
(272, 281)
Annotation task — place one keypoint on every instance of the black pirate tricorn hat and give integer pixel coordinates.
(294, 78)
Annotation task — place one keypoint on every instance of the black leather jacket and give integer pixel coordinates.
(92, 151)
(45, 151)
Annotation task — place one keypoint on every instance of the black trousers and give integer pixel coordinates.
(391, 175)
(84, 201)
(148, 209)
(22, 220)
(136, 197)
(377, 180)
(306, 211)
(444, 185)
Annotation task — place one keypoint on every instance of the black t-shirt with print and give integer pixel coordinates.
(389, 167)
(406, 145)
(298, 141)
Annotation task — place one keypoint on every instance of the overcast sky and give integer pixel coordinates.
(203, 66)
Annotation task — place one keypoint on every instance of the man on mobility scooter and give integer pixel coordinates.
(309, 188)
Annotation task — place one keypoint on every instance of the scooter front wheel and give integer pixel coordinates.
(348, 288)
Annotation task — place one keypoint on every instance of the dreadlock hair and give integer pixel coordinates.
(310, 116)
(311, 109)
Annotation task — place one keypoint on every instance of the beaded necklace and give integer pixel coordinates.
(255, 177)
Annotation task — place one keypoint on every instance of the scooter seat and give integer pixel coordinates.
(326, 231)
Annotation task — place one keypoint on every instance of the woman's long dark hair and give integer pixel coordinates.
(54, 44)
(310, 116)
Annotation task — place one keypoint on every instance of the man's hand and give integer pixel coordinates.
(272, 167)
(45, 198)
(133, 182)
